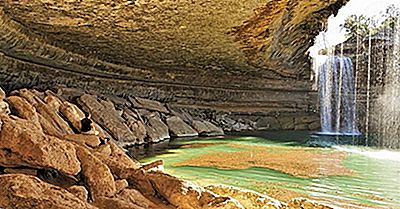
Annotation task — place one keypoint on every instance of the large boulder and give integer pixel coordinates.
(24, 192)
(182, 194)
(23, 144)
(156, 129)
(205, 128)
(49, 115)
(178, 128)
(96, 174)
(135, 123)
(104, 113)
(23, 109)
(115, 158)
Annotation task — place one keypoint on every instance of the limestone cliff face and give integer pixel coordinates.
(228, 55)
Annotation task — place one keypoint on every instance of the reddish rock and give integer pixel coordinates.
(121, 185)
(96, 174)
(49, 117)
(120, 164)
(23, 191)
(88, 140)
(23, 144)
(80, 192)
(114, 203)
(23, 109)
(179, 193)
(135, 197)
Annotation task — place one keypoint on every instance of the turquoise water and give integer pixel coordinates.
(375, 182)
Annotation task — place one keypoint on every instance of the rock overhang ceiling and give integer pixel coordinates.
(224, 35)
(203, 49)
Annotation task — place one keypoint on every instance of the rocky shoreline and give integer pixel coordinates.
(49, 159)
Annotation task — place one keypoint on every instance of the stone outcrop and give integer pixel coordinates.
(104, 113)
(22, 144)
(205, 128)
(179, 128)
(156, 129)
(23, 191)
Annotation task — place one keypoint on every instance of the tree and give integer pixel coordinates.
(362, 26)
(358, 26)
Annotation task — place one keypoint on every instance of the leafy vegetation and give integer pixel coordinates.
(363, 26)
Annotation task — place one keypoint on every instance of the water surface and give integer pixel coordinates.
(374, 180)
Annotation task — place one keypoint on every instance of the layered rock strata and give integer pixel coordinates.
(44, 167)
(235, 57)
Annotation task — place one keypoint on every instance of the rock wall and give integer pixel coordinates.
(239, 58)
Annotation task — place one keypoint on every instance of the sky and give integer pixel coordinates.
(335, 34)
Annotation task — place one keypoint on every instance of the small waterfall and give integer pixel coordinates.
(387, 106)
(337, 96)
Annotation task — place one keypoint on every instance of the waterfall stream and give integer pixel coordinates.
(337, 96)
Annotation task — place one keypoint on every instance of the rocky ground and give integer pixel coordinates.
(49, 159)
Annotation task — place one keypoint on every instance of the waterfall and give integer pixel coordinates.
(387, 107)
(337, 96)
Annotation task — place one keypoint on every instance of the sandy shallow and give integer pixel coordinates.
(295, 161)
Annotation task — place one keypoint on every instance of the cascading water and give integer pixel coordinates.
(337, 96)
(387, 106)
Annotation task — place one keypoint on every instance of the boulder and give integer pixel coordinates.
(80, 192)
(147, 104)
(133, 196)
(115, 158)
(88, 140)
(24, 191)
(96, 174)
(73, 114)
(23, 144)
(136, 124)
(205, 128)
(105, 114)
(49, 118)
(156, 130)
(178, 128)
(23, 109)
(182, 194)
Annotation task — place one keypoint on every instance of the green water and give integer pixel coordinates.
(376, 179)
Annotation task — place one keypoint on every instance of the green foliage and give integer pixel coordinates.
(362, 26)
